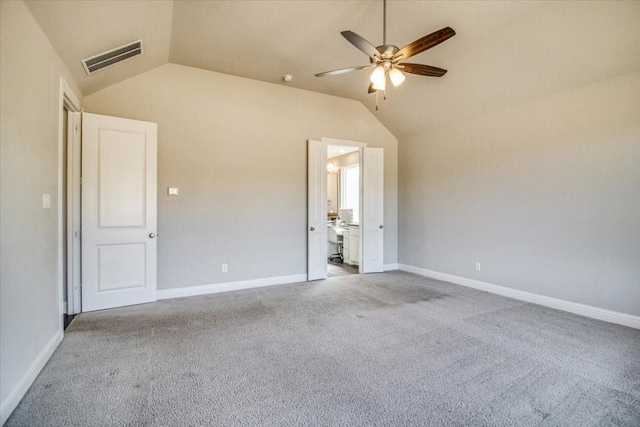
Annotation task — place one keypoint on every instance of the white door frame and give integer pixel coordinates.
(71, 102)
(362, 145)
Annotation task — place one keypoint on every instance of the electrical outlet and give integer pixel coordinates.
(225, 268)
(478, 266)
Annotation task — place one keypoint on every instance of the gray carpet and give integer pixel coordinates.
(387, 349)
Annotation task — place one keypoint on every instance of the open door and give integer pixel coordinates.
(119, 212)
(317, 211)
(372, 226)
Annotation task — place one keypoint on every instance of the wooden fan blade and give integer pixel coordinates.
(371, 89)
(426, 42)
(422, 70)
(342, 71)
(359, 42)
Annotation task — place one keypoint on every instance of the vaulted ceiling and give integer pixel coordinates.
(504, 52)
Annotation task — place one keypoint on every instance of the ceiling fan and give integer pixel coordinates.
(386, 59)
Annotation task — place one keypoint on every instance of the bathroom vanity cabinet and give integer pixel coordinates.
(351, 245)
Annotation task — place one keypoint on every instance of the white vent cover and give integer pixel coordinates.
(103, 60)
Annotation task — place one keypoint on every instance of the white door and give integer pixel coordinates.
(372, 227)
(317, 222)
(118, 212)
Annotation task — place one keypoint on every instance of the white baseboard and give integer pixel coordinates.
(229, 286)
(571, 307)
(234, 286)
(12, 400)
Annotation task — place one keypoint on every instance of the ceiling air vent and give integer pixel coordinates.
(103, 60)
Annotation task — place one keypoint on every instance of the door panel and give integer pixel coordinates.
(372, 227)
(121, 266)
(121, 189)
(119, 208)
(317, 220)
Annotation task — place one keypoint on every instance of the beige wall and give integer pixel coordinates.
(30, 72)
(546, 195)
(237, 149)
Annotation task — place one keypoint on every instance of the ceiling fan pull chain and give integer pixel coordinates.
(377, 100)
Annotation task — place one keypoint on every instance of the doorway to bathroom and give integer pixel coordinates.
(343, 210)
(358, 236)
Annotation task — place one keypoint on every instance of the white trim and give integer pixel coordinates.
(69, 100)
(390, 267)
(335, 141)
(229, 286)
(12, 400)
(74, 212)
(70, 96)
(629, 320)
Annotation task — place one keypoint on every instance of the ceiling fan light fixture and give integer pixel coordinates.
(396, 76)
(380, 85)
(389, 59)
(379, 78)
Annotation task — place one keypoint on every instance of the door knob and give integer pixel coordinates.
(152, 235)
(380, 226)
(312, 229)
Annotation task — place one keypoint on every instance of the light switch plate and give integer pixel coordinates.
(172, 191)
(46, 201)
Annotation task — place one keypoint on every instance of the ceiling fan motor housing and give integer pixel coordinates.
(387, 50)
(385, 58)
